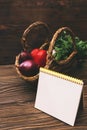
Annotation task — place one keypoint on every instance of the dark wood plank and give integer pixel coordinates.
(17, 99)
(16, 16)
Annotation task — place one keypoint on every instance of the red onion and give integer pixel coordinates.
(28, 68)
(24, 55)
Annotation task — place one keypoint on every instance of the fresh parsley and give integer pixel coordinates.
(63, 47)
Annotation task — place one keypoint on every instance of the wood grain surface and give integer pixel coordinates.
(17, 99)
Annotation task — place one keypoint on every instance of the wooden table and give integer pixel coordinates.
(17, 99)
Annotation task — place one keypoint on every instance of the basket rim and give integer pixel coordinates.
(27, 78)
(26, 32)
(52, 43)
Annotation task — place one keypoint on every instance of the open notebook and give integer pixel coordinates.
(58, 95)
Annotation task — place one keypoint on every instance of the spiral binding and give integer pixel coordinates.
(62, 76)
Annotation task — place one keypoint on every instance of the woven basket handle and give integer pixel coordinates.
(25, 45)
(52, 43)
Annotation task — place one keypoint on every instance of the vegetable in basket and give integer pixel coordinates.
(28, 68)
(63, 47)
(30, 62)
(39, 56)
(24, 55)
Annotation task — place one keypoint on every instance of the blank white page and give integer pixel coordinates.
(58, 97)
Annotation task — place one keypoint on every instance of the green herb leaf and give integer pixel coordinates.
(63, 47)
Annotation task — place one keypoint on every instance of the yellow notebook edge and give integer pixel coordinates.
(63, 76)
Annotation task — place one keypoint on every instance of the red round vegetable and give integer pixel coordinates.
(24, 55)
(28, 68)
(39, 57)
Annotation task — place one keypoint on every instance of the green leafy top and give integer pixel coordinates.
(81, 47)
(63, 47)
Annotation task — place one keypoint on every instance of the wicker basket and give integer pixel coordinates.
(69, 62)
(38, 36)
